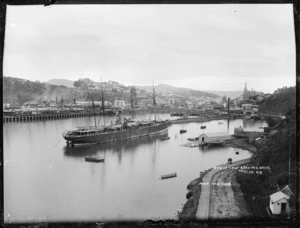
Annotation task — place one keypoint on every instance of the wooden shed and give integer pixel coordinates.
(279, 203)
(214, 137)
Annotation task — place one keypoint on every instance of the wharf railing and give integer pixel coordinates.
(43, 116)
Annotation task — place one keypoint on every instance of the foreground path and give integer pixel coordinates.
(226, 201)
(204, 204)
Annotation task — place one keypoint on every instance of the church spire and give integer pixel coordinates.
(245, 95)
(245, 87)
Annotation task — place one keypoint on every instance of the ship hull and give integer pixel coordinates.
(106, 137)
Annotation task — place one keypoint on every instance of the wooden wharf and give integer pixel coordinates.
(43, 117)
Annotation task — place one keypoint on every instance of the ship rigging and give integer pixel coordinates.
(120, 130)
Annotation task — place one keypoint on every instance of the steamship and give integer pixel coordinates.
(120, 130)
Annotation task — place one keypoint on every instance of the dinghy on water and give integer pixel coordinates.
(193, 139)
(171, 175)
(94, 159)
(203, 127)
(166, 138)
(182, 131)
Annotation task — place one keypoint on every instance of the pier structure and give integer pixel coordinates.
(52, 116)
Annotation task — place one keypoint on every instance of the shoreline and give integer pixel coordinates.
(190, 208)
(200, 119)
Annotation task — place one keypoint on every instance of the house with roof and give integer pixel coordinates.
(214, 137)
(279, 203)
(286, 190)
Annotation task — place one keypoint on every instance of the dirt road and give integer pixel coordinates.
(226, 199)
(207, 198)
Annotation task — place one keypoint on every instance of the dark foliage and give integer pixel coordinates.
(277, 151)
(280, 102)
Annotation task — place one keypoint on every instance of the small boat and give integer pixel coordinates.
(215, 143)
(93, 159)
(193, 139)
(191, 144)
(237, 152)
(176, 114)
(171, 175)
(203, 127)
(255, 117)
(182, 131)
(166, 138)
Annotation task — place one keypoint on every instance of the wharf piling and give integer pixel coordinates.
(43, 117)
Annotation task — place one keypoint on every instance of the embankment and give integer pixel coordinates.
(241, 143)
(198, 119)
(190, 208)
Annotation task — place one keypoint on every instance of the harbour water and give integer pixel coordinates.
(44, 180)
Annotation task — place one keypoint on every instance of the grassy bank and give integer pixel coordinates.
(278, 151)
(190, 208)
(200, 119)
(241, 143)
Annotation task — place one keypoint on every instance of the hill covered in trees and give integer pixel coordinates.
(278, 151)
(64, 82)
(17, 91)
(280, 102)
(162, 88)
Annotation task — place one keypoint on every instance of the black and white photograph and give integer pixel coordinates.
(149, 112)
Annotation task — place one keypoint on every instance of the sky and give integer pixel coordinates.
(203, 47)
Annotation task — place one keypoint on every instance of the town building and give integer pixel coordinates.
(236, 111)
(119, 104)
(6, 105)
(249, 109)
(279, 203)
(249, 93)
(96, 103)
(214, 137)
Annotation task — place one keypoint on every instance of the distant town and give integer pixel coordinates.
(85, 94)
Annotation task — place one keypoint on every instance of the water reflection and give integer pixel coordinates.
(126, 185)
(128, 146)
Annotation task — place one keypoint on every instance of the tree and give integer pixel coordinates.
(133, 95)
(224, 99)
(77, 84)
(83, 83)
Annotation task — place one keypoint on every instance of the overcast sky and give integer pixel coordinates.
(205, 47)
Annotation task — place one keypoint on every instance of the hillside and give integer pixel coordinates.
(64, 82)
(17, 91)
(162, 88)
(231, 94)
(280, 102)
(278, 151)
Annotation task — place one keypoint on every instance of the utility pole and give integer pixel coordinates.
(94, 112)
(154, 102)
(228, 110)
(102, 103)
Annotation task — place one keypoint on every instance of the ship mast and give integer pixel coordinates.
(94, 112)
(131, 100)
(93, 106)
(228, 110)
(154, 103)
(102, 103)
